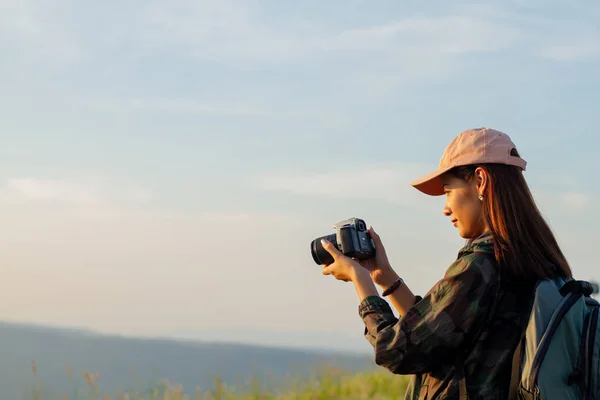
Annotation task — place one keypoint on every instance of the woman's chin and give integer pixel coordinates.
(464, 233)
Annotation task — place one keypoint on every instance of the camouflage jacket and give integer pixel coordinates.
(469, 321)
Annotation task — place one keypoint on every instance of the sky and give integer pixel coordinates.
(164, 166)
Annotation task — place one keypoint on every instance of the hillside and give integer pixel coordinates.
(126, 363)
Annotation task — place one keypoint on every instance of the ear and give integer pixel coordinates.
(481, 180)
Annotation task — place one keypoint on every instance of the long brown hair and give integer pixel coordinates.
(523, 242)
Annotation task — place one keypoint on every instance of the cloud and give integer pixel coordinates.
(386, 183)
(390, 183)
(569, 38)
(236, 36)
(179, 105)
(38, 30)
(377, 55)
(231, 33)
(581, 47)
(55, 190)
(453, 34)
(138, 195)
(558, 31)
(89, 192)
(562, 202)
(575, 202)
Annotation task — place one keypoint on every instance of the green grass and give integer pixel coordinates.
(327, 383)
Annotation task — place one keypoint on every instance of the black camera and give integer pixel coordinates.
(351, 238)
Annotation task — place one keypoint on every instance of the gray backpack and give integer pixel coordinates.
(558, 356)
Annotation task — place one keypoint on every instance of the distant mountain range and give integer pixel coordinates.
(124, 363)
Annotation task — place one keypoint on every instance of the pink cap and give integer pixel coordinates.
(473, 146)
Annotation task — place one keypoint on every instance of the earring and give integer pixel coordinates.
(481, 197)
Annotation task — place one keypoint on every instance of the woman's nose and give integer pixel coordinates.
(447, 211)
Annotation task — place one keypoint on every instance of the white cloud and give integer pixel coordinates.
(138, 196)
(575, 202)
(563, 203)
(582, 46)
(232, 33)
(391, 183)
(58, 190)
(387, 183)
(558, 31)
(170, 105)
(88, 192)
(377, 56)
(38, 29)
(237, 35)
(453, 34)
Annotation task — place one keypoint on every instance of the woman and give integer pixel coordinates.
(460, 337)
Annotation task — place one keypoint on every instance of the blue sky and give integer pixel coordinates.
(165, 165)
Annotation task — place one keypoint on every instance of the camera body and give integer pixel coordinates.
(351, 238)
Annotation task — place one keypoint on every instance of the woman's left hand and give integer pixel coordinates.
(343, 267)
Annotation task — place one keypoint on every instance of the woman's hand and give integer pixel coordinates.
(379, 267)
(346, 269)
(365, 274)
(342, 268)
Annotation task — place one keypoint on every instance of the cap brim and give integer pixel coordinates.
(431, 184)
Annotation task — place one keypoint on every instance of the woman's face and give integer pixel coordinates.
(463, 206)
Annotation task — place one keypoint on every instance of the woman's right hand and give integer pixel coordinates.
(379, 267)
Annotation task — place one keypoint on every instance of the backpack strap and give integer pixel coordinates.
(572, 291)
(577, 287)
(580, 373)
(552, 327)
(591, 344)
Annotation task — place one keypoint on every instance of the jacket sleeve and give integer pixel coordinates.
(434, 328)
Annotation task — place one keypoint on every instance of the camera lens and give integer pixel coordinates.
(319, 254)
(362, 226)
